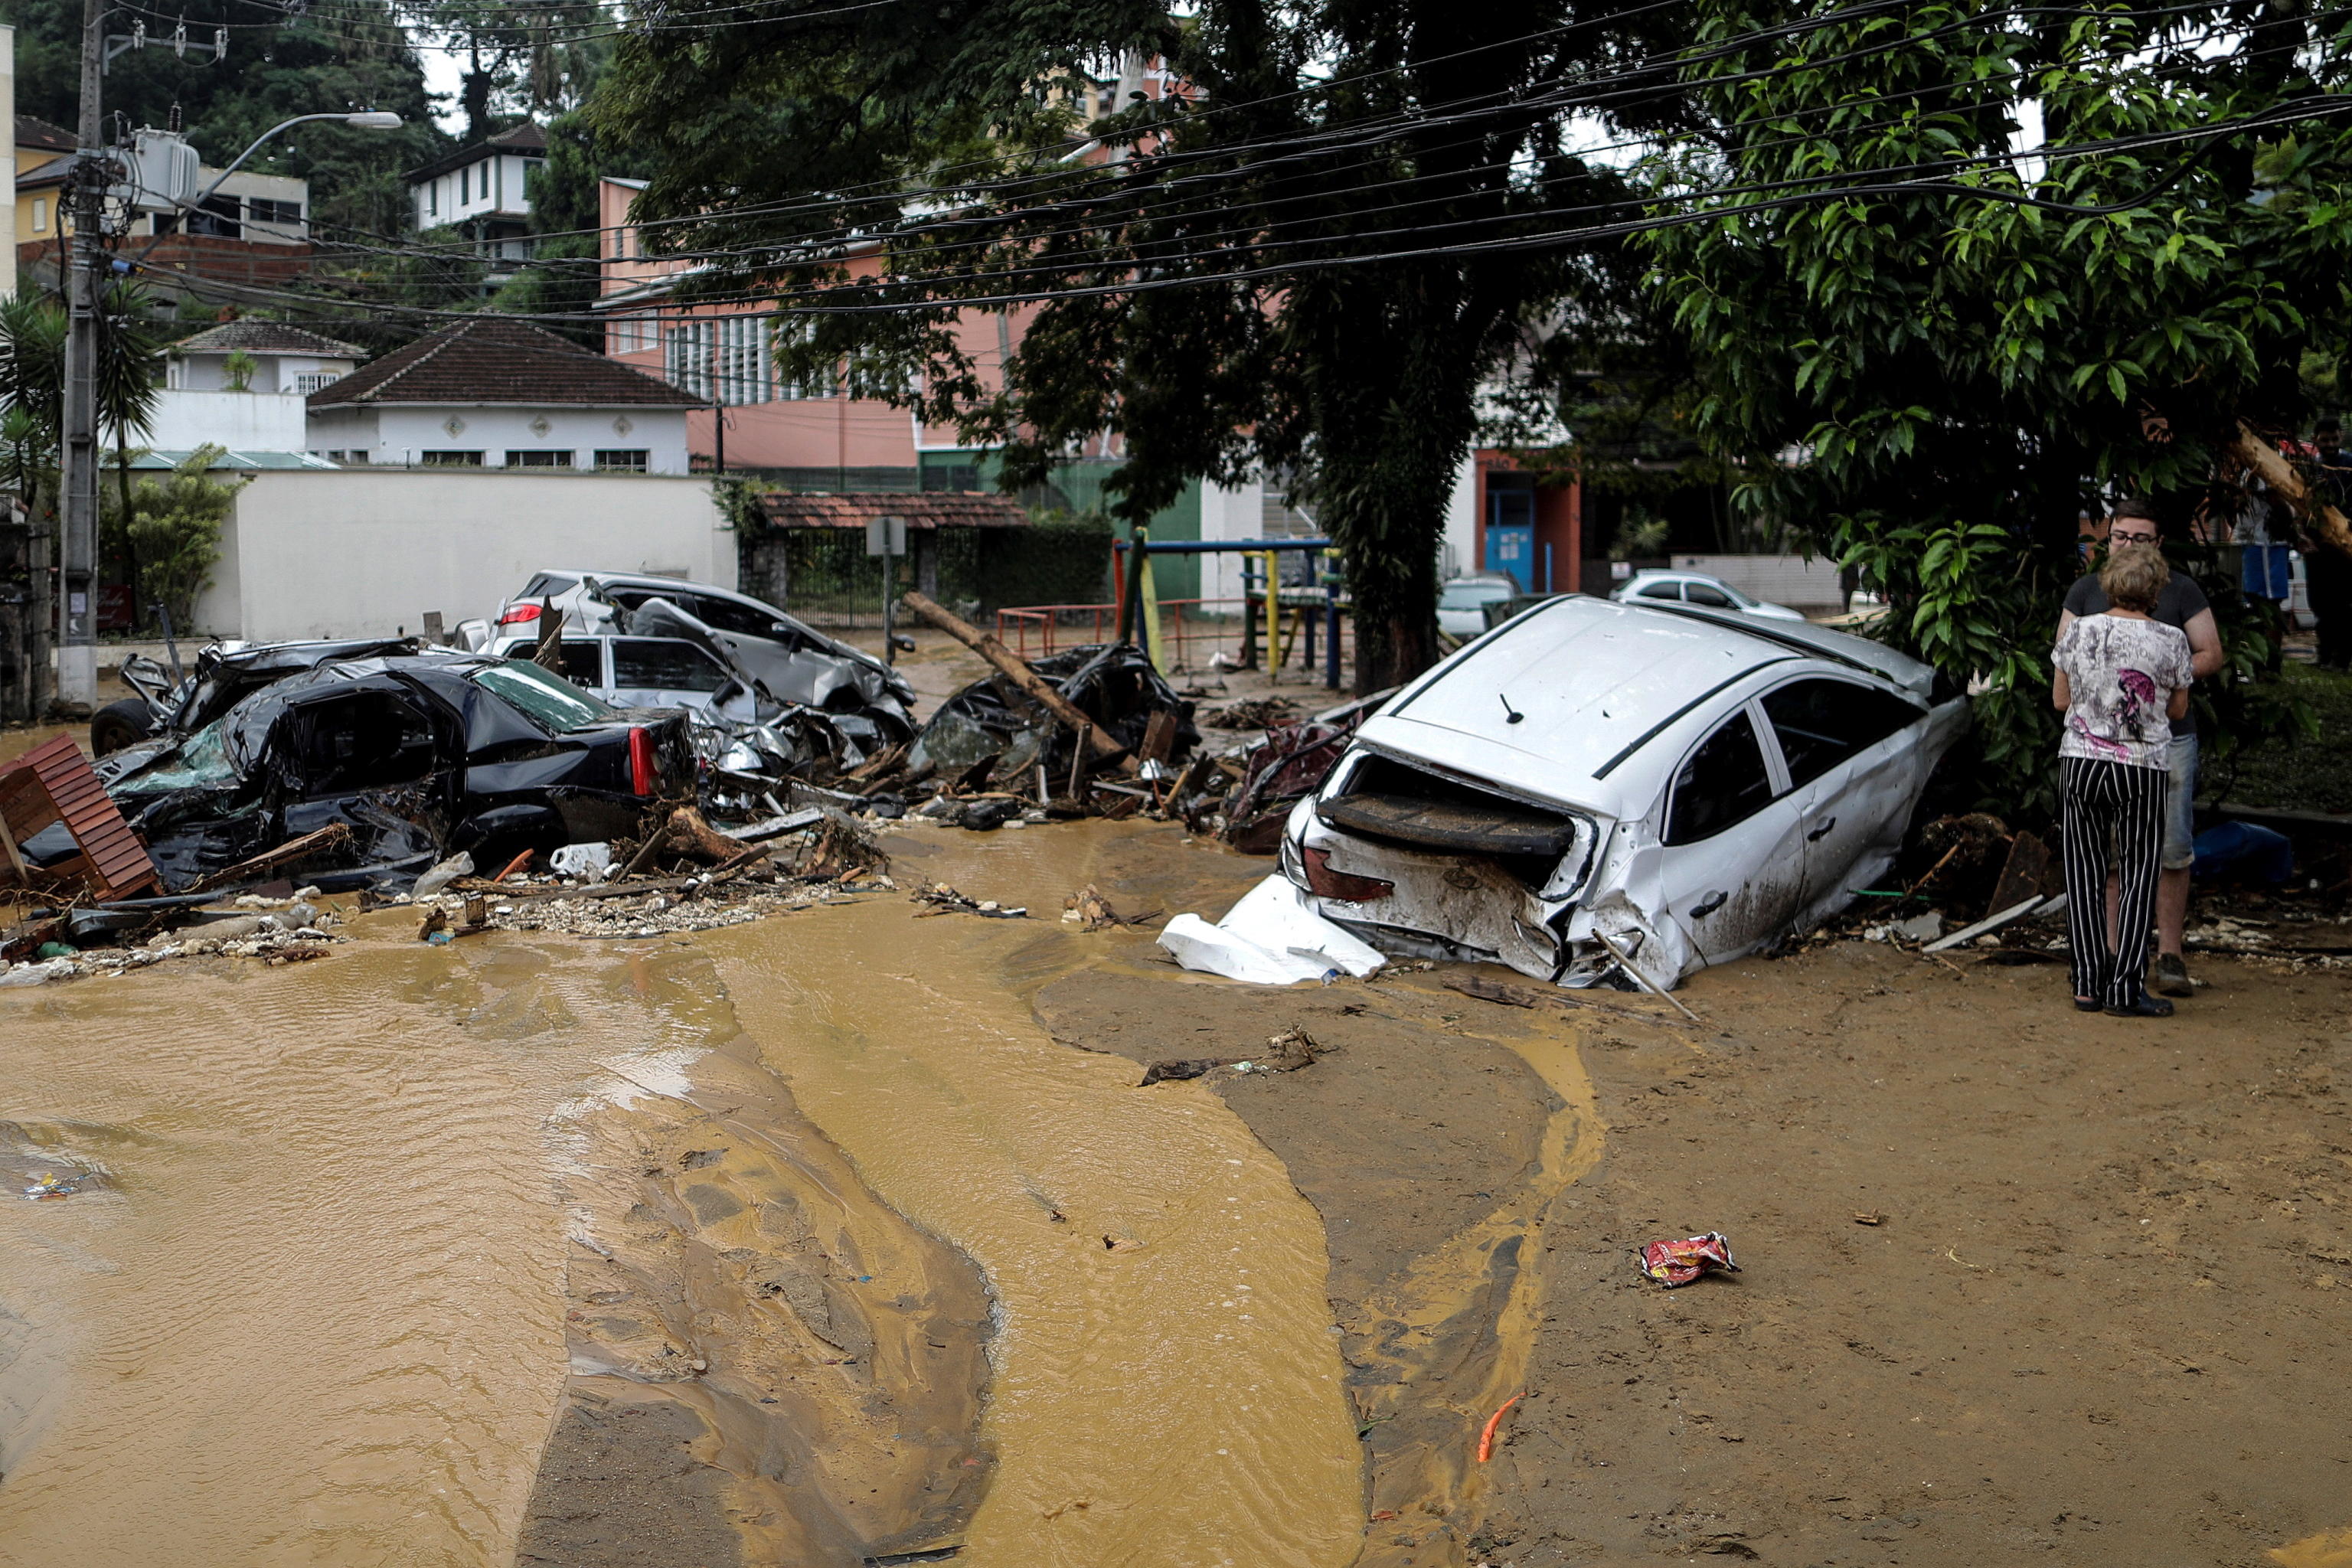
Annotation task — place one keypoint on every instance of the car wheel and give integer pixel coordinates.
(120, 724)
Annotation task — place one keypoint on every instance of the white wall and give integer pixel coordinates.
(9, 178)
(398, 437)
(493, 185)
(1458, 554)
(362, 553)
(402, 434)
(1234, 513)
(271, 372)
(241, 421)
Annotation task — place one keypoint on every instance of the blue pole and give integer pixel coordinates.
(1547, 566)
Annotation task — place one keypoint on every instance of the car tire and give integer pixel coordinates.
(119, 724)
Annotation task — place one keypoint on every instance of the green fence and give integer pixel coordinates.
(826, 571)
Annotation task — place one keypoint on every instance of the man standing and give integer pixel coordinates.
(2182, 604)
(2327, 572)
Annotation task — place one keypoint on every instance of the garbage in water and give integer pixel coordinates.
(1088, 908)
(49, 1184)
(1678, 1262)
(441, 874)
(938, 898)
(1486, 1435)
(1273, 937)
(1598, 825)
(1286, 1052)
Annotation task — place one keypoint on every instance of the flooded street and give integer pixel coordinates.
(850, 1234)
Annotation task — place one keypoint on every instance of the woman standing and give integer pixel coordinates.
(2122, 677)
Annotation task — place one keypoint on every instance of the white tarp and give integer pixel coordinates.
(1273, 937)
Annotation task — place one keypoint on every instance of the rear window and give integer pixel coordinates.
(554, 704)
(547, 584)
(663, 664)
(1470, 595)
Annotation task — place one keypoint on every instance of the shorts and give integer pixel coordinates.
(2179, 850)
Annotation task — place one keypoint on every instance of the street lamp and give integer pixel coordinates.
(77, 454)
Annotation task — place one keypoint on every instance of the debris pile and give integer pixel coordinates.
(279, 930)
(1286, 1052)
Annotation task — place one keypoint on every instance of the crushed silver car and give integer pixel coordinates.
(1683, 785)
(793, 662)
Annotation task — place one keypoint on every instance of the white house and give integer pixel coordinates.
(244, 385)
(492, 392)
(483, 191)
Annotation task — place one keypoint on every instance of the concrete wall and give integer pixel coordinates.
(364, 553)
(8, 196)
(241, 421)
(400, 436)
(1790, 580)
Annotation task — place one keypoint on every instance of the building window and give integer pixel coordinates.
(358, 456)
(216, 216)
(433, 199)
(823, 385)
(317, 380)
(744, 369)
(261, 209)
(686, 358)
(634, 335)
(451, 459)
(539, 459)
(40, 214)
(626, 460)
(869, 377)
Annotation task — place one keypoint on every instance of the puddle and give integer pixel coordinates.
(1167, 1388)
(2329, 1549)
(312, 1314)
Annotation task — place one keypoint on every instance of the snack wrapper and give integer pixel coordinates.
(1678, 1262)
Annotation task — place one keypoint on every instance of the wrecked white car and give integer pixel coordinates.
(1684, 783)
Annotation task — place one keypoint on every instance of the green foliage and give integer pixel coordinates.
(1363, 380)
(2308, 771)
(350, 54)
(1920, 361)
(175, 529)
(236, 371)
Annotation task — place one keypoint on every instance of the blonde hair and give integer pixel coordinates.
(2134, 577)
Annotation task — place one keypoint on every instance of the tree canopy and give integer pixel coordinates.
(1931, 340)
(1290, 239)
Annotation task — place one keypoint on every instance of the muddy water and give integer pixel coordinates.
(1166, 1383)
(310, 1315)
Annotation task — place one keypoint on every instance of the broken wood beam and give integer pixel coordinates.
(1016, 669)
(2288, 480)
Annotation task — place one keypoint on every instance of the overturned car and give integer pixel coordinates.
(410, 756)
(1593, 785)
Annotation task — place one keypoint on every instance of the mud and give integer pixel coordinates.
(2100, 1321)
(857, 1234)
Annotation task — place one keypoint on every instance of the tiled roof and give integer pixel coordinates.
(501, 360)
(264, 338)
(527, 139)
(52, 173)
(855, 508)
(40, 133)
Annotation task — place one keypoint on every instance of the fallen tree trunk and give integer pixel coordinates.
(1035, 685)
(2286, 479)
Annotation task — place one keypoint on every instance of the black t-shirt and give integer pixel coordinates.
(2181, 602)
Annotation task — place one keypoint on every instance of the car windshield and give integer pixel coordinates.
(200, 762)
(554, 703)
(1471, 596)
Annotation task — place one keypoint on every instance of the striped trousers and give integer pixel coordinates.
(2110, 807)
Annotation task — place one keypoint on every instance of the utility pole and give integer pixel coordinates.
(77, 607)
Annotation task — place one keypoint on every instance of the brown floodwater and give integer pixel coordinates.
(311, 1305)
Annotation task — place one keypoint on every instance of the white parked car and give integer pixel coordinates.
(1699, 588)
(1461, 602)
(1687, 784)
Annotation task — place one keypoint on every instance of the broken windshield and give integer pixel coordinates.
(553, 702)
(200, 762)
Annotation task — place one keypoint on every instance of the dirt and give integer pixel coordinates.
(858, 1233)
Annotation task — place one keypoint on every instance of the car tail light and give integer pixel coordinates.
(1330, 884)
(641, 762)
(519, 614)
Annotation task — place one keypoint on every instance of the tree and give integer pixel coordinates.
(1932, 353)
(1295, 137)
(175, 528)
(538, 55)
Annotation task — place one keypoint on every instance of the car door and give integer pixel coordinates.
(1847, 749)
(343, 747)
(1731, 867)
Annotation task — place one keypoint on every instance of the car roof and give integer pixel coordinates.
(1594, 682)
(648, 580)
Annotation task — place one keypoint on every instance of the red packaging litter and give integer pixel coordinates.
(1672, 1263)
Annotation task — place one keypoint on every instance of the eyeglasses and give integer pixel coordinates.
(2118, 536)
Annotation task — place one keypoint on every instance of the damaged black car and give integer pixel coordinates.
(418, 755)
